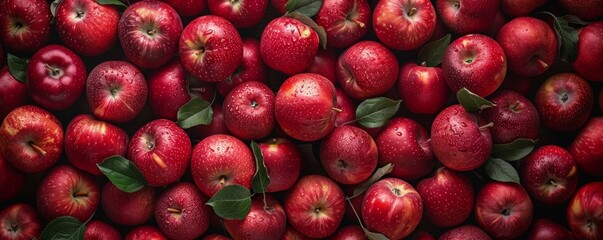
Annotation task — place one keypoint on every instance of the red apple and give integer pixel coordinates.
(467, 16)
(465, 232)
(347, 115)
(459, 139)
(584, 212)
(584, 9)
(242, 14)
(116, 91)
(349, 232)
(499, 21)
(11, 179)
(145, 232)
(31, 139)
(221, 160)
(86, 26)
(448, 197)
(315, 206)
(367, 69)
(149, 33)
(187, 8)
(504, 210)
(180, 212)
(587, 62)
(564, 101)
(99, 230)
(168, 89)
(279, 5)
(252, 68)
(210, 48)
(517, 8)
(404, 25)
(283, 162)
(586, 148)
(475, 62)
(422, 235)
(265, 220)
(56, 77)
(128, 208)
(392, 207)
(305, 106)
(19, 221)
(24, 25)
(217, 125)
(514, 116)
(345, 21)
(530, 46)
(13, 93)
(422, 89)
(249, 102)
(161, 150)
(325, 64)
(66, 191)
(545, 229)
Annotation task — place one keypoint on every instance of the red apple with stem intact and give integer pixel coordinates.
(465, 232)
(24, 25)
(545, 229)
(249, 102)
(586, 150)
(587, 64)
(584, 212)
(467, 16)
(252, 68)
(180, 211)
(422, 89)
(19, 221)
(12, 92)
(404, 25)
(283, 162)
(86, 26)
(345, 21)
(128, 208)
(241, 13)
(265, 220)
(514, 116)
(187, 8)
(145, 232)
(99, 230)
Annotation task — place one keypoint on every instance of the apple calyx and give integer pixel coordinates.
(54, 72)
(506, 212)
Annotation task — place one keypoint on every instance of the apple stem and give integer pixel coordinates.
(412, 11)
(359, 23)
(489, 125)
(37, 148)
(542, 63)
(424, 64)
(80, 194)
(222, 180)
(355, 213)
(337, 109)
(53, 71)
(174, 210)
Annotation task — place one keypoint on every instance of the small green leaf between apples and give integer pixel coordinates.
(305, 7)
(567, 37)
(379, 173)
(575, 20)
(373, 235)
(322, 34)
(260, 180)
(431, 54)
(16, 67)
(111, 2)
(471, 102)
(64, 228)
(195, 112)
(122, 173)
(231, 202)
(515, 150)
(375, 112)
(501, 170)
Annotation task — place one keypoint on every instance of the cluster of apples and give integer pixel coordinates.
(301, 119)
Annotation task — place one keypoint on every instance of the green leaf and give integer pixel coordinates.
(362, 187)
(567, 37)
(373, 236)
(231, 202)
(260, 180)
(305, 7)
(375, 112)
(122, 173)
(471, 102)
(322, 34)
(575, 20)
(515, 150)
(112, 2)
(63, 228)
(431, 54)
(17, 66)
(501, 170)
(195, 112)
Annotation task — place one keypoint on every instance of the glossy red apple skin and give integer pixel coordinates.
(99, 230)
(514, 116)
(422, 89)
(161, 150)
(168, 89)
(467, 16)
(116, 91)
(252, 68)
(325, 64)
(348, 233)
(315, 206)
(518, 8)
(262, 222)
(448, 197)
(584, 9)
(187, 8)
(12, 92)
(348, 154)
(128, 208)
(24, 25)
(458, 140)
(586, 148)
(12, 180)
(89, 141)
(503, 210)
(530, 46)
(564, 102)
(367, 69)
(545, 229)
(404, 25)
(476, 62)
(217, 125)
(347, 107)
(288, 46)
(149, 32)
(66, 191)
(587, 64)
(392, 207)
(465, 232)
(31, 139)
(86, 26)
(279, 5)
(549, 174)
(56, 77)
(344, 21)
(405, 143)
(145, 232)
(242, 14)
(304, 106)
(283, 161)
(249, 102)
(214, 55)
(584, 212)
(221, 160)
(180, 211)
(20, 221)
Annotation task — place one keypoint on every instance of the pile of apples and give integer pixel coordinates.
(301, 119)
